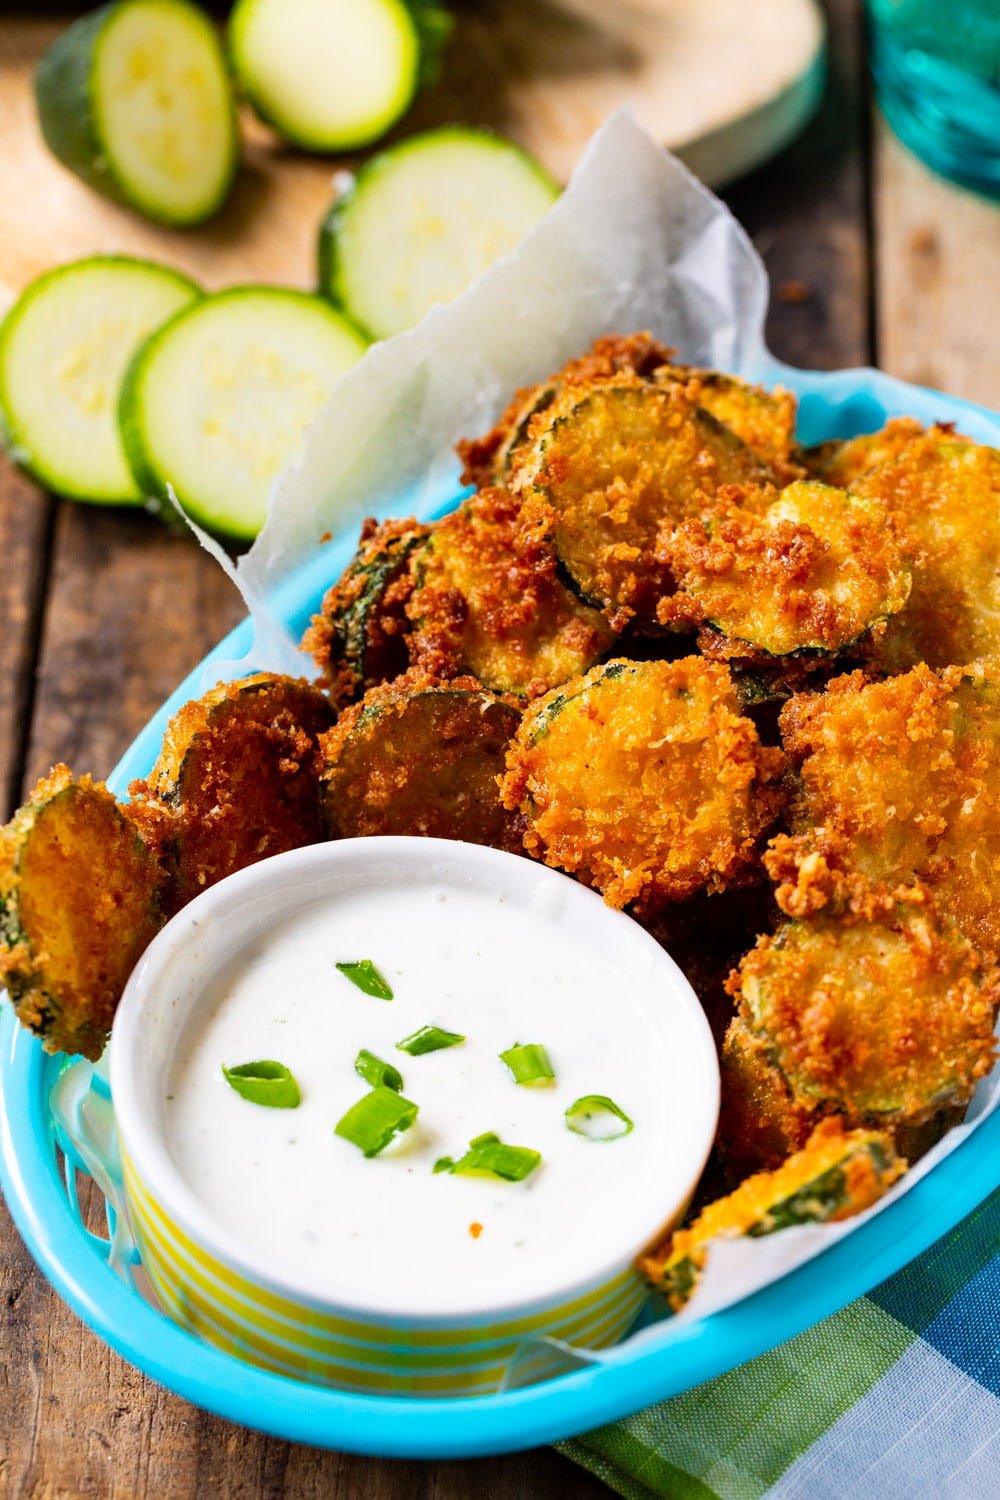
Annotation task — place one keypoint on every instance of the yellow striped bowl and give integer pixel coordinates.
(215, 1289)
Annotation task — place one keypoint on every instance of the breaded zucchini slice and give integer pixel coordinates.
(359, 637)
(614, 467)
(816, 572)
(419, 757)
(907, 771)
(236, 780)
(489, 602)
(78, 904)
(838, 1173)
(843, 461)
(764, 420)
(760, 1124)
(643, 779)
(944, 495)
(885, 1019)
(489, 459)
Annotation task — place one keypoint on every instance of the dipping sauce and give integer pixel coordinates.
(388, 1231)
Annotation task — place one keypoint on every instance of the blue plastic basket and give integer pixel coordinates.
(39, 1185)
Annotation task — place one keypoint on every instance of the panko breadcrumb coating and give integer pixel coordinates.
(885, 1018)
(817, 571)
(236, 780)
(421, 757)
(643, 779)
(359, 637)
(944, 494)
(79, 901)
(906, 771)
(843, 461)
(764, 420)
(838, 1173)
(489, 602)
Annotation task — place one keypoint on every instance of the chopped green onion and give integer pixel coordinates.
(374, 1071)
(528, 1063)
(428, 1039)
(364, 974)
(268, 1083)
(598, 1118)
(487, 1153)
(375, 1119)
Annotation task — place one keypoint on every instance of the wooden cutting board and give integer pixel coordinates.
(723, 82)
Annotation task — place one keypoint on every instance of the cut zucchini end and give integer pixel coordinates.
(64, 349)
(136, 100)
(215, 405)
(327, 75)
(423, 220)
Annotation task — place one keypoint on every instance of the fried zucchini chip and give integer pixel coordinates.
(907, 771)
(944, 494)
(611, 468)
(236, 780)
(816, 572)
(78, 904)
(643, 779)
(843, 461)
(488, 460)
(489, 603)
(760, 1124)
(884, 1019)
(359, 637)
(838, 1173)
(764, 420)
(417, 756)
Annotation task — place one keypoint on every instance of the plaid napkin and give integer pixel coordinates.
(897, 1397)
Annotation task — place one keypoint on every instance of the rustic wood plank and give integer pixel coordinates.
(807, 215)
(25, 522)
(938, 248)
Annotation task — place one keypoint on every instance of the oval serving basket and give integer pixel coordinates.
(39, 1183)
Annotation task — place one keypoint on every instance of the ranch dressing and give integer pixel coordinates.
(387, 1232)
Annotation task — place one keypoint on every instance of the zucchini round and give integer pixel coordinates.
(414, 757)
(643, 779)
(65, 346)
(358, 639)
(78, 904)
(764, 420)
(236, 780)
(422, 220)
(612, 466)
(333, 75)
(216, 402)
(135, 99)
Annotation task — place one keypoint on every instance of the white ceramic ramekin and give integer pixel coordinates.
(264, 1313)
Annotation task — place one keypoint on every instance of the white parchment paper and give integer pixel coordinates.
(634, 242)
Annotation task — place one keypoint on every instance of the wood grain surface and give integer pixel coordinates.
(103, 612)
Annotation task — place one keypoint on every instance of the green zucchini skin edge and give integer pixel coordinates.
(328, 253)
(432, 26)
(68, 117)
(9, 435)
(147, 475)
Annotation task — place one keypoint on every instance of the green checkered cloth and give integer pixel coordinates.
(896, 1396)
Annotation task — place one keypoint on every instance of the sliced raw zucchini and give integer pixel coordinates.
(332, 75)
(358, 639)
(216, 402)
(817, 571)
(423, 220)
(64, 348)
(135, 99)
(418, 758)
(614, 465)
(643, 779)
(489, 602)
(886, 1017)
(78, 904)
(836, 1174)
(236, 780)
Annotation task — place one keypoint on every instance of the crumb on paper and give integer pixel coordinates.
(794, 291)
(475, 1230)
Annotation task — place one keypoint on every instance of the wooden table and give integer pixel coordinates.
(872, 260)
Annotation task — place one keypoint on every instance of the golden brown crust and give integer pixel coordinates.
(489, 602)
(236, 780)
(643, 779)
